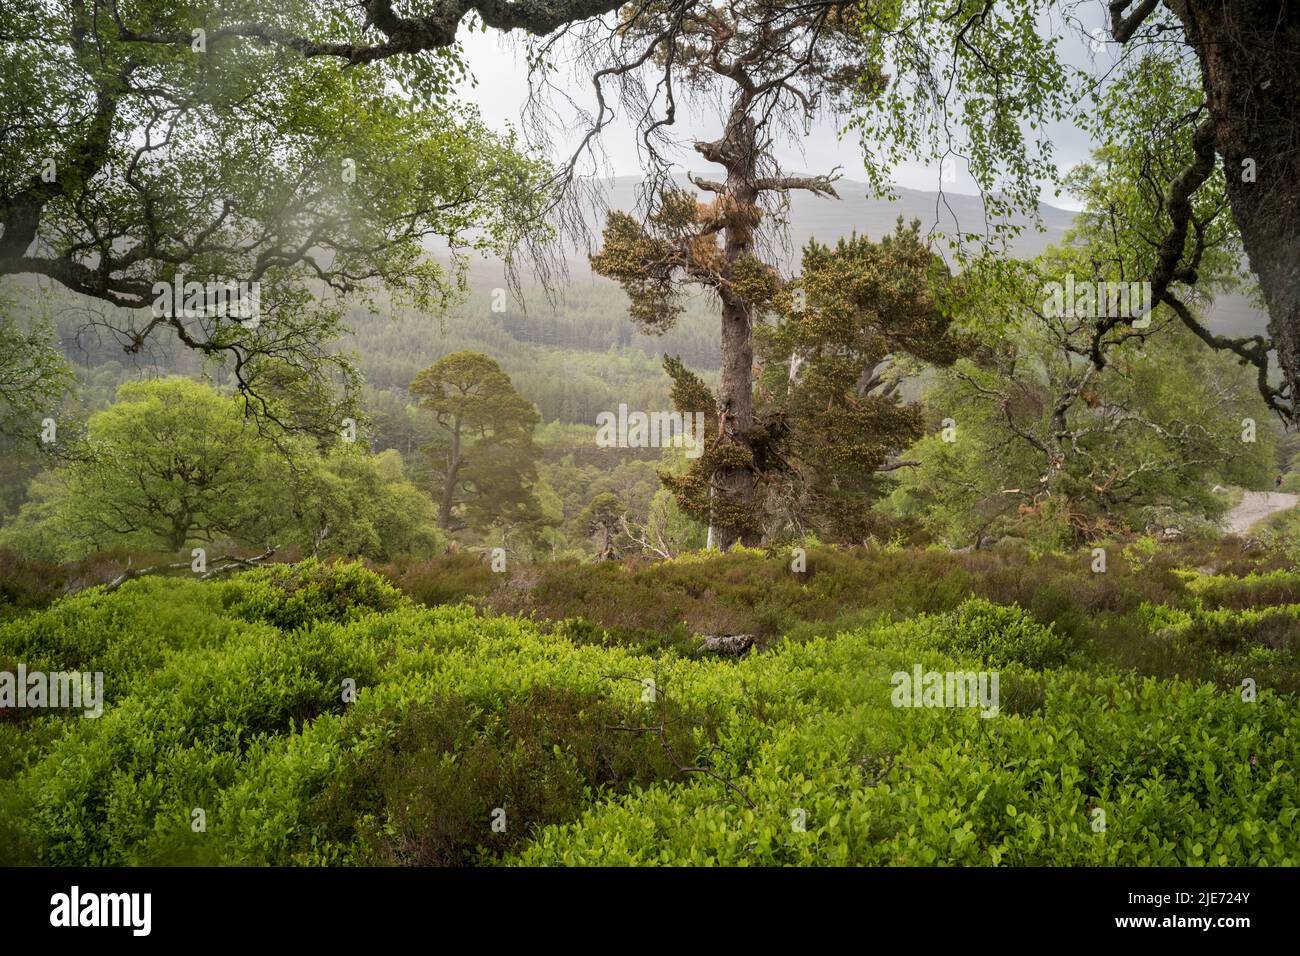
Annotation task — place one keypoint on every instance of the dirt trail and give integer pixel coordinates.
(1255, 506)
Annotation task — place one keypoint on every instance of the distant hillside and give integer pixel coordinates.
(828, 219)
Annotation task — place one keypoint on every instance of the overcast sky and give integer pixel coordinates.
(498, 65)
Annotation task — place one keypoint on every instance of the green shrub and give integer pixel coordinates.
(1252, 590)
(449, 769)
(1185, 776)
(113, 783)
(999, 635)
(290, 595)
(229, 697)
(125, 635)
(1231, 632)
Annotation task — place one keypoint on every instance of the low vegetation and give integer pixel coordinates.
(230, 732)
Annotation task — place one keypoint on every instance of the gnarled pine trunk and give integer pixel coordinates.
(734, 486)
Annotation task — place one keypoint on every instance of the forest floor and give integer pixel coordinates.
(1255, 506)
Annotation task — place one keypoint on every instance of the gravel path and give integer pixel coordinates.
(1255, 506)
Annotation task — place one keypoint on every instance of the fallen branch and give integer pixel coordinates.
(231, 563)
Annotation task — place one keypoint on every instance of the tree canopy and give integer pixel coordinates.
(174, 463)
(151, 146)
(484, 460)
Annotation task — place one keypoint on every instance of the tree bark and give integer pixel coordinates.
(449, 488)
(176, 538)
(734, 486)
(1249, 53)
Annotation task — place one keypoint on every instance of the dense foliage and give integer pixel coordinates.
(174, 463)
(346, 527)
(233, 698)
